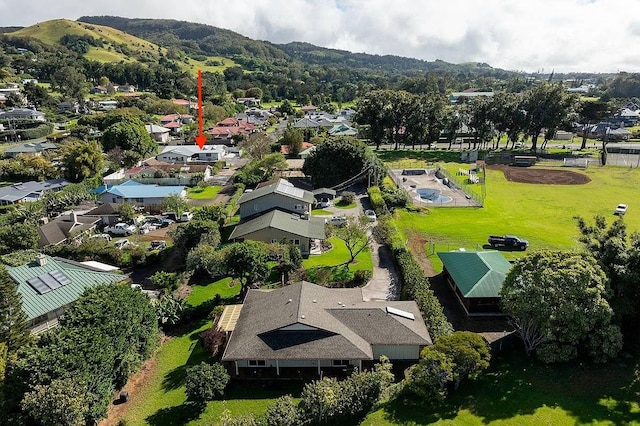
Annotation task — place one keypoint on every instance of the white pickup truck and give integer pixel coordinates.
(120, 229)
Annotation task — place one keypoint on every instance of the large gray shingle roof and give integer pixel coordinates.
(307, 321)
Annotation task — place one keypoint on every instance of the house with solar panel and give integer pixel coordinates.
(476, 278)
(305, 330)
(49, 285)
(279, 212)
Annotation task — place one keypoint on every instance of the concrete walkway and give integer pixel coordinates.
(384, 285)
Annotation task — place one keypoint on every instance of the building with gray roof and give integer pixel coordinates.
(276, 226)
(29, 191)
(306, 329)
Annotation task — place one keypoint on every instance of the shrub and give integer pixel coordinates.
(206, 382)
(283, 412)
(376, 200)
(348, 197)
(361, 278)
(165, 280)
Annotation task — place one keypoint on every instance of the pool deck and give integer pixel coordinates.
(429, 180)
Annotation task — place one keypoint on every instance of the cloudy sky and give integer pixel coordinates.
(564, 35)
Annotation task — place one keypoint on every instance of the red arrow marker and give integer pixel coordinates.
(200, 139)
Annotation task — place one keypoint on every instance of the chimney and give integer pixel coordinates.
(41, 259)
(73, 217)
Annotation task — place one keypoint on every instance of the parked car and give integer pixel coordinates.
(146, 227)
(171, 215)
(336, 220)
(157, 245)
(324, 202)
(620, 210)
(510, 241)
(122, 244)
(371, 215)
(186, 217)
(121, 229)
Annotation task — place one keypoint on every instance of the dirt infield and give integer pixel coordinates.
(541, 176)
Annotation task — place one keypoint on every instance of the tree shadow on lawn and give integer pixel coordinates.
(517, 385)
(178, 415)
(176, 378)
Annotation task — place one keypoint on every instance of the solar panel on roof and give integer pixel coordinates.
(400, 313)
(38, 285)
(49, 281)
(60, 277)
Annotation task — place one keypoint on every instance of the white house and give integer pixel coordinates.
(189, 153)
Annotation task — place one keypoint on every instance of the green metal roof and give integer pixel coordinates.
(277, 219)
(80, 277)
(476, 274)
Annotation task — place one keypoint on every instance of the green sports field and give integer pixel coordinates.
(542, 214)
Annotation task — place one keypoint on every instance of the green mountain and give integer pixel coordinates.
(201, 39)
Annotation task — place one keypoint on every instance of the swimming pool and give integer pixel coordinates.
(432, 196)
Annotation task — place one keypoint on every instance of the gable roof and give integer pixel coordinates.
(18, 191)
(133, 189)
(476, 274)
(282, 187)
(307, 321)
(59, 229)
(80, 277)
(277, 219)
(305, 123)
(191, 150)
(31, 147)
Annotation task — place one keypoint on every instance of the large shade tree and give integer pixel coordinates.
(13, 320)
(557, 302)
(130, 135)
(81, 160)
(338, 160)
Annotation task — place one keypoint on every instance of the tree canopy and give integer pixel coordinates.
(130, 135)
(13, 320)
(81, 160)
(557, 302)
(340, 159)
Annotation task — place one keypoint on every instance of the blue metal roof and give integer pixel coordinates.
(132, 189)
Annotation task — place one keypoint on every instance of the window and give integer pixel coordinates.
(295, 242)
(257, 363)
(139, 200)
(113, 200)
(274, 241)
(298, 207)
(255, 207)
(340, 363)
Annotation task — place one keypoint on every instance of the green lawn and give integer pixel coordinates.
(337, 256)
(321, 212)
(543, 214)
(517, 391)
(202, 293)
(340, 205)
(207, 193)
(161, 400)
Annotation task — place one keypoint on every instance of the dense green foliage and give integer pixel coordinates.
(261, 170)
(60, 403)
(81, 160)
(376, 200)
(187, 236)
(129, 135)
(345, 402)
(206, 382)
(18, 236)
(101, 341)
(547, 293)
(13, 321)
(342, 159)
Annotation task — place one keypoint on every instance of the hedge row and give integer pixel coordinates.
(35, 133)
(416, 284)
(377, 202)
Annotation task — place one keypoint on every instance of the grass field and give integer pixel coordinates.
(517, 391)
(204, 292)
(192, 65)
(208, 193)
(543, 214)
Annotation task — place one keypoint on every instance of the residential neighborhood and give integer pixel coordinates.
(197, 227)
